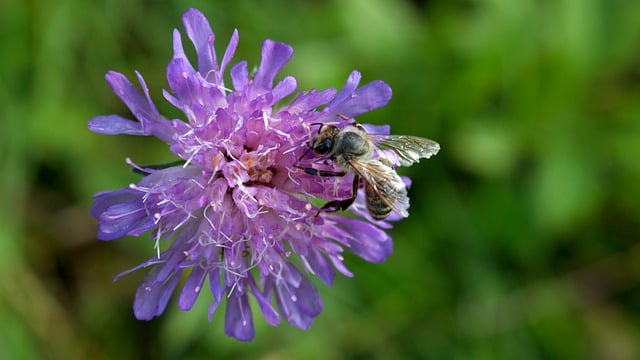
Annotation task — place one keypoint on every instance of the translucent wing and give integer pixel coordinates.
(386, 183)
(405, 149)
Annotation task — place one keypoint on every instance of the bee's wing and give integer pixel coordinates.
(409, 149)
(386, 183)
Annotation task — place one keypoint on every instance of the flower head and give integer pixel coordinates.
(237, 211)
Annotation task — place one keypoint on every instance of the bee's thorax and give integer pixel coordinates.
(352, 145)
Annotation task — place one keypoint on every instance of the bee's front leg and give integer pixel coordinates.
(323, 173)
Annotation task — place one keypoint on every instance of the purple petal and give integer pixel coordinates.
(320, 266)
(364, 239)
(274, 56)
(199, 31)
(351, 102)
(178, 49)
(238, 321)
(290, 310)
(240, 76)
(308, 298)
(115, 125)
(177, 249)
(228, 54)
(373, 95)
(306, 101)
(192, 288)
(169, 175)
(105, 199)
(190, 88)
(377, 129)
(212, 308)
(119, 219)
(283, 89)
(214, 283)
(142, 107)
(264, 302)
(143, 227)
(347, 90)
(216, 290)
(172, 99)
(290, 274)
(296, 297)
(179, 75)
(152, 296)
(337, 262)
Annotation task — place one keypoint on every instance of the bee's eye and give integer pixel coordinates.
(323, 147)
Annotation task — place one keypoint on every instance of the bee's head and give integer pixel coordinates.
(323, 142)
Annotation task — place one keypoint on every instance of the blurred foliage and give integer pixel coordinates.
(523, 235)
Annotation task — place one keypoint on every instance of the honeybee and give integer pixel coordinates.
(368, 156)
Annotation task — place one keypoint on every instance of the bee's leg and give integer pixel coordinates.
(323, 173)
(336, 205)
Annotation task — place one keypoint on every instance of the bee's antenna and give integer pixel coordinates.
(318, 124)
(309, 148)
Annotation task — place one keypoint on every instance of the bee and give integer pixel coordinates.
(370, 157)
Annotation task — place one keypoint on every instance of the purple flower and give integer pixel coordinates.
(238, 211)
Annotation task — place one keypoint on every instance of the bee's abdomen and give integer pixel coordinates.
(378, 209)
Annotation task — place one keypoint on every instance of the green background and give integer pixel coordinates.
(523, 237)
